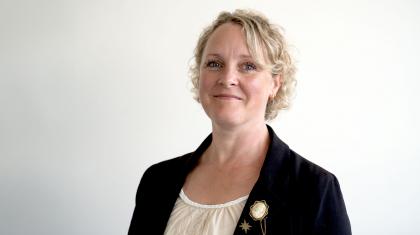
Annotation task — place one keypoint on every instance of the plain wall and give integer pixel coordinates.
(94, 92)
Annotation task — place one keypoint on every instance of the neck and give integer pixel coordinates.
(245, 145)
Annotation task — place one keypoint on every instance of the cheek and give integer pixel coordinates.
(258, 87)
(204, 83)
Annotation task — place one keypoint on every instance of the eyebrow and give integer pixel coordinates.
(244, 56)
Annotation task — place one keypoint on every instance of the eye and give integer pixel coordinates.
(213, 65)
(248, 66)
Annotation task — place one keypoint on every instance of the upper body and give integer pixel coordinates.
(242, 77)
(302, 197)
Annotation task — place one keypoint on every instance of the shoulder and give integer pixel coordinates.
(316, 193)
(160, 183)
(304, 171)
(311, 182)
(162, 178)
(287, 166)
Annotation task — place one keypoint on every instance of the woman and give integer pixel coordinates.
(242, 179)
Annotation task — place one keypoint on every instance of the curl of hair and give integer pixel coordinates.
(261, 37)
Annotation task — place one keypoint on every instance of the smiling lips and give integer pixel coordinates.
(227, 97)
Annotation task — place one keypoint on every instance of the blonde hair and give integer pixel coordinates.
(261, 36)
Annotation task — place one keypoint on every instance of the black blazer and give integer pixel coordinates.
(302, 197)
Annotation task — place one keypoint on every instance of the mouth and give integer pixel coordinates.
(227, 97)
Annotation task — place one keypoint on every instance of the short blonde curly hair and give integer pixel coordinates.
(260, 35)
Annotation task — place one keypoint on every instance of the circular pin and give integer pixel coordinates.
(259, 210)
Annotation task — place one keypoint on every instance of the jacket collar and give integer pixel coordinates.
(270, 187)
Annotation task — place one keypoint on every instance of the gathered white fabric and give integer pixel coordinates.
(191, 218)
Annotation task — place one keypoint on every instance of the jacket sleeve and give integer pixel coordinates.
(141, 197)
(331, 217)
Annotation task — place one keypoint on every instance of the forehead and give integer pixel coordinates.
(227, 37)
(230, 38)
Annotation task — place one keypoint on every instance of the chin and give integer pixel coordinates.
(227, 120)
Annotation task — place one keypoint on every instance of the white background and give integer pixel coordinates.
(93, 92)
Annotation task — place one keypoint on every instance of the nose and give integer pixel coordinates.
(228, 77)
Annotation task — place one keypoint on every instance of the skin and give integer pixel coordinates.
(233, 91)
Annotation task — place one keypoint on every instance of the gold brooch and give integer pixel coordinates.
(258, 212)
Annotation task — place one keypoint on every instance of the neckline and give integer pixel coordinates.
(211, 206)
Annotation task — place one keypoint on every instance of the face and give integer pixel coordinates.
(233, 88)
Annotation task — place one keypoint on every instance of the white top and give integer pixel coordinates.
(192, 218)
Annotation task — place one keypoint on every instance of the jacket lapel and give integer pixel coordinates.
(189, 161)
(271, 187)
